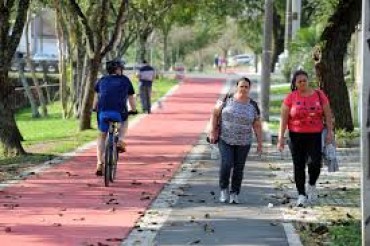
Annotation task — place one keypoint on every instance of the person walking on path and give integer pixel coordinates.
(303, 112)
(146, 76)
(112, 93)
(232, 121)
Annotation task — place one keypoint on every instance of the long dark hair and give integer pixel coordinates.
(293, 87)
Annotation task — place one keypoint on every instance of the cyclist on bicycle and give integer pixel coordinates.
(112, 92)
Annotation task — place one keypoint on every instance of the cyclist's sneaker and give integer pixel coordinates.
(99, 170)
(121, 146)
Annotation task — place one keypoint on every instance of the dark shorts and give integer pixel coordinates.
(104, 116)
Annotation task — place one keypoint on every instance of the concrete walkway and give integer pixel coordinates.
(188, 211)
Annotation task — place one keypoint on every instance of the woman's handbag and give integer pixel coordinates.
(329, 151)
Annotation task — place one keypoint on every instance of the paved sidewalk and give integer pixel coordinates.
(188, 211)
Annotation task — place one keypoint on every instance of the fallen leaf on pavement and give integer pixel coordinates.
(349, 216)
(145, 198)
(114, 239)
(194, 242)
(134, 182)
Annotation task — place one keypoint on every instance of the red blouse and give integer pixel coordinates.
(306, 112)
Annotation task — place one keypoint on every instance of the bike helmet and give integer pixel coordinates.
(112, 65)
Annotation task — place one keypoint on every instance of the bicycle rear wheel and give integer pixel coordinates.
(114, 163)
(108, 159)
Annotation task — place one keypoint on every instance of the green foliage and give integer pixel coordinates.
(343, 134)
(346, 233)
(317, 11)
(280, 90)
(300, 51)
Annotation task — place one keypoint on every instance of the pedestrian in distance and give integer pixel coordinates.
(146, 76)
(233, 121)
(303, 113)
(215, 61)
(112, 92)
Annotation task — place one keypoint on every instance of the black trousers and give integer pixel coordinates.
(306, 150)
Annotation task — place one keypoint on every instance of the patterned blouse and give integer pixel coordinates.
(236, 122)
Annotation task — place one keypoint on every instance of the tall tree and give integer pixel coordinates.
(330, 56)
(98, 45)
(12, 20)
(150, 12)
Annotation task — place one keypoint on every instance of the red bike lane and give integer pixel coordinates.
(68, 205)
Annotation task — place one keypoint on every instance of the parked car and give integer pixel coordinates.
(242, 59)
(178, 67)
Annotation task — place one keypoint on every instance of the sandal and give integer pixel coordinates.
(99, 169)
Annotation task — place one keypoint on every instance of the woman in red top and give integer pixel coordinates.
(303, 111)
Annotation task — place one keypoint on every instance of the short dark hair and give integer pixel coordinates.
(244, 79)
(293, 87)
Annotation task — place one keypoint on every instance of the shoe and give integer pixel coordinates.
(312, 193)
(121, 146)
(99, 170)
(301, 201)
(234, 198)
(224, 195)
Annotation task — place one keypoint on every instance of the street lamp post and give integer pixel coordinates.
(296, 16)
(365, 122)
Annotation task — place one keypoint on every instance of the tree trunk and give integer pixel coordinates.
(335, 39)
(45, 79)
(12, 20)
(27, 89)
(166, 61)
(255, 62)
(143, 38)
(82, 85)
(62, 61)
(85, 118)
(44, 110)
(278, 39)
(10, 137)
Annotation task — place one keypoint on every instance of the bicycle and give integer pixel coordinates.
(111, 153)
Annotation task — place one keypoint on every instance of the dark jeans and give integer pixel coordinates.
(232, 157)
(146, 97)
(305, 148)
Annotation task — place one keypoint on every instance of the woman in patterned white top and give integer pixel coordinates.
(232, 122)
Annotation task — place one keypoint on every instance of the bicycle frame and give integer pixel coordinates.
(111, 153)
